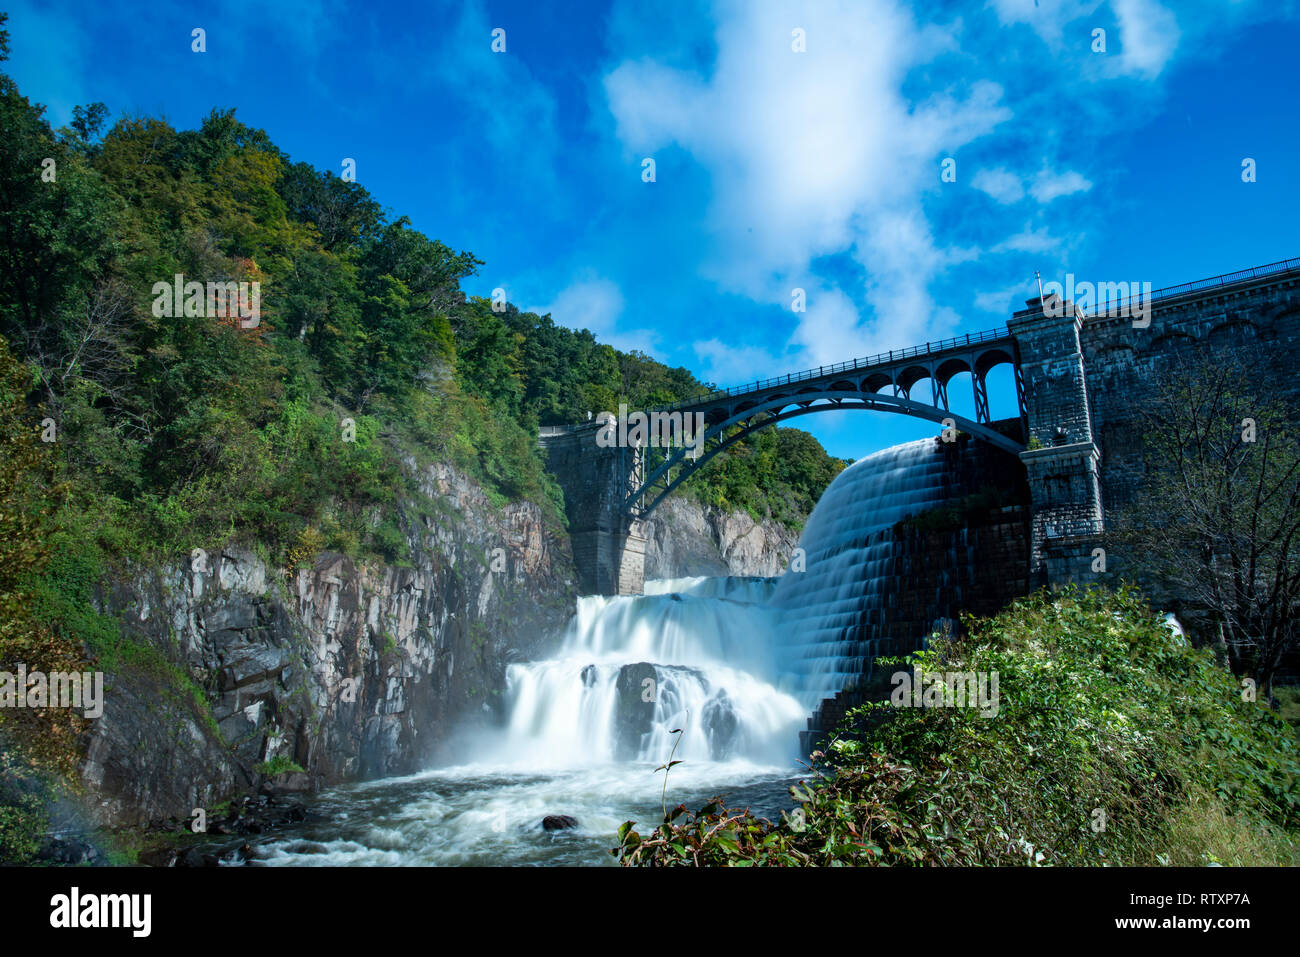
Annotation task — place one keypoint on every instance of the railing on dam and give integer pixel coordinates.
(1114, 306)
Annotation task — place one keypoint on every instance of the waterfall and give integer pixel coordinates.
(698, 654)
(760, 665)
(748, 659)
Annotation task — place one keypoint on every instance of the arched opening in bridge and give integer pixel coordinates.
(1000, 387)
(960, 390)
(661, 471)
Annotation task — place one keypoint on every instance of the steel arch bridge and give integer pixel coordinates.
(882, 383)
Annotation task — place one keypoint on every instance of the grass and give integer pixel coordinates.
(278, 765)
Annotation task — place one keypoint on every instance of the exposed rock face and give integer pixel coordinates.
(349, 671)
(688, 539)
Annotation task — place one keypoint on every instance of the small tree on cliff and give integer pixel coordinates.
(1218, 520)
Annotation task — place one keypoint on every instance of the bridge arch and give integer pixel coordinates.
(751, 416)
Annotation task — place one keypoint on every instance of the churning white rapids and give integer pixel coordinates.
(584, 733)
(737, 663)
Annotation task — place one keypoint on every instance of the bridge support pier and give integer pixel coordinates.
(608, 545)
(610, 561)
(1062, 461)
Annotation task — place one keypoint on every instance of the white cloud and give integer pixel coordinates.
(1049, 186)
(813, 153)
(1004, 300)
(1149, 35)
(1148, 32)
(726, 365)
(1028, 240)
(596, 304)
(1002, 184)
(1048, 19)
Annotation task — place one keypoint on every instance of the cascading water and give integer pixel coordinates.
(849, 581)
(747, 659)
(584, 731)
(699, 654)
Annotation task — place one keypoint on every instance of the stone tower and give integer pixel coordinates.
(1062, 462)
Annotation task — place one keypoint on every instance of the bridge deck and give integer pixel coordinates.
(929, 351)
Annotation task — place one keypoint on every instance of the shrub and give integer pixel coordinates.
(1113, 743)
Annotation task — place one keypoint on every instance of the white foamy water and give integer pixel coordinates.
(491, 815)
(697, 654)
(737, 663)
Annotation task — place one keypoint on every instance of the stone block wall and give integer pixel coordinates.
(1259, 318)
(608, 546)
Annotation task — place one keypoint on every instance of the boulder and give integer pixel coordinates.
(720, 723)
(633, 715)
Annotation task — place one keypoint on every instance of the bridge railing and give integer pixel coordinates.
(883, 358)
(1110, 307)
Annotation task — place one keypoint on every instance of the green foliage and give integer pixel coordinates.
(25, 797)
(38, 746)
(775, 472)
(185, 428)
(185, 431)
(278, 765)
(1114, 743)
(539, 373)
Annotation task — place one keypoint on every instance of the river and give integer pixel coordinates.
(737, 664)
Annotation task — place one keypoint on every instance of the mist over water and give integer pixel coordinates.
(737, 663)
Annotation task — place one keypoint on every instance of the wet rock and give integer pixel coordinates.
(720, 724)
(291, 782)
(246, 664)
(688, 539)
(361, 672)
(192, 858)
(588, 676)
(158, 857)
(69, 850)
(559, 822)
(634, 707)
(236, 614)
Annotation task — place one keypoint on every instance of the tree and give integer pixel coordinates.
(37, 745)
(56, 219)
(1217, 523)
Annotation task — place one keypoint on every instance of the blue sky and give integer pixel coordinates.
(774, 169)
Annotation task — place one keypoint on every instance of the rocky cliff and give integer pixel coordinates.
(347, 670)
(686, 538)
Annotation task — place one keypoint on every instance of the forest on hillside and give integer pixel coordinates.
(176, 431)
